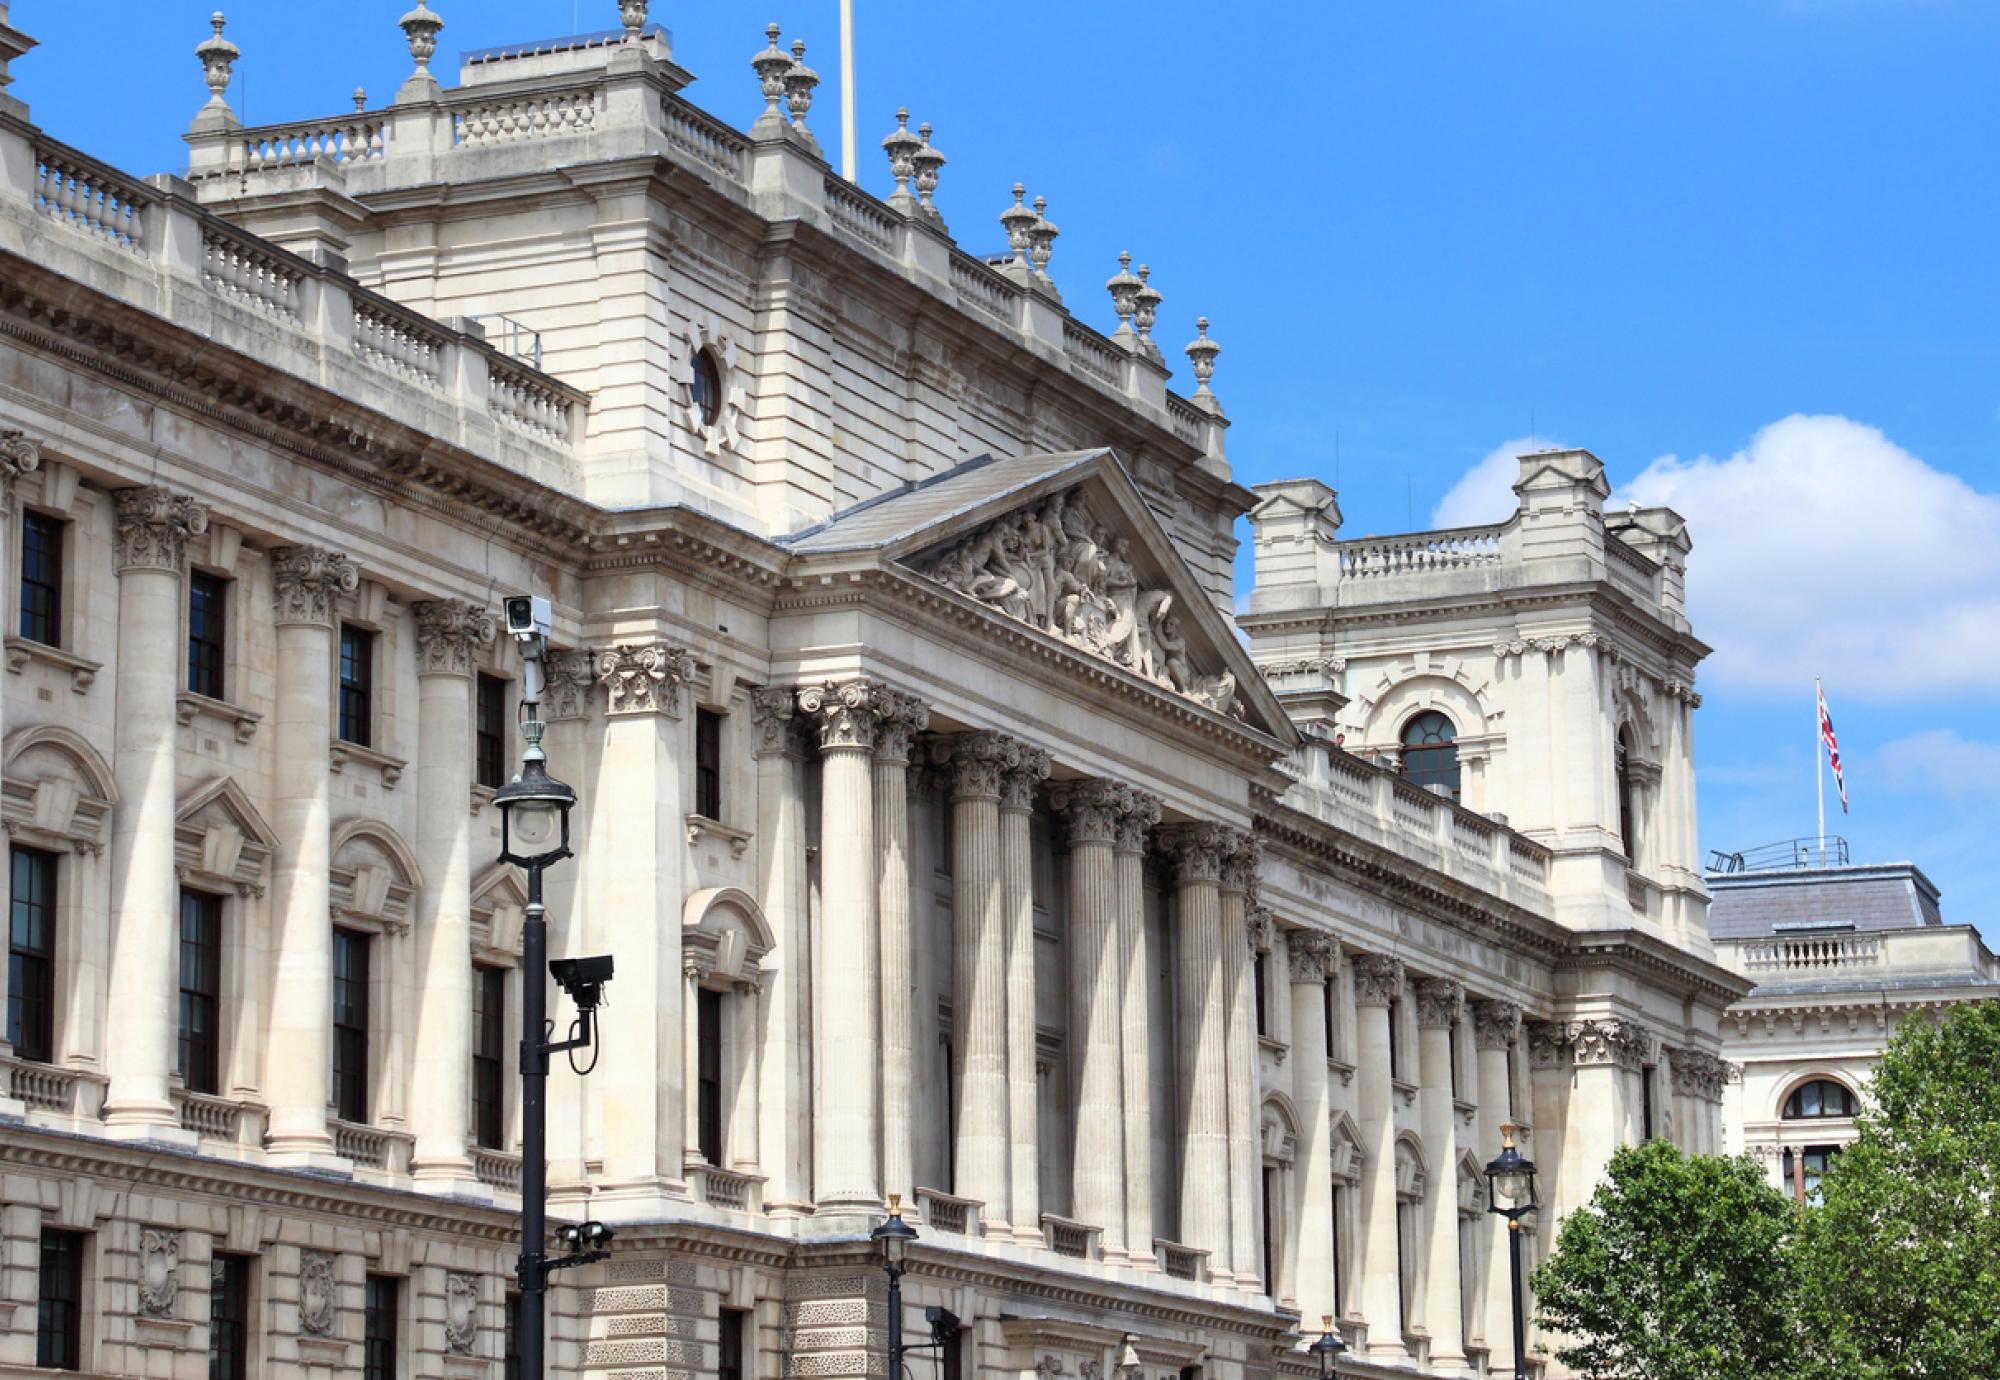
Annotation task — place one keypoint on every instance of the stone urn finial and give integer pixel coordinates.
(927, 160)
(420, 27)
(633, 15)
(1124, 289)
(1015, 220)
(360, 100)
(1042, 238)
(799, 83)
(218, 61)
(1146, 309)
(899, 144)
(1201, 353)
(771, 66)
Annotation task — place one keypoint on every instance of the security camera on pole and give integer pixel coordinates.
(534, 833)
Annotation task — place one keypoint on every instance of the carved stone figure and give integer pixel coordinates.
(159, 1272)
(461, 1312)
(317, 1293)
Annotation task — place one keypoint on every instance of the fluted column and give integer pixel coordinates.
(19, 454)
(570, 742)
(902, 717)
(450, 636)
(1017, 803)
(1196, 851)
(153, 527)
(781, 890)
(308, 581)
(1239, 880)
(1439, 1001)
(1137, 1032)
(979, 972)
(1378, 980)
(1495, 1025)
(1090, 811)
(745, 1133)
(847, 1166)
(1309, 958)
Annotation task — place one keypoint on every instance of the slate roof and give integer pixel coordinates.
(1885, 896)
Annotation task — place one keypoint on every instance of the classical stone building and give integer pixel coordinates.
(949, 843)
(1840, 954)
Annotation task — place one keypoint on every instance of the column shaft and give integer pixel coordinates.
(308, 581)
(1495, 1024)
(19, 454)
(450, 633)
(1201, 1034)
(979, 974)
(1378, 980)
(153, 526)
(1137, 1033)
(781, 888)
(1239, 872)
(745, 1135)
(1439, 1001)
(1097, 1179)
(1017, 803)
(903, 716)
(1309, 954)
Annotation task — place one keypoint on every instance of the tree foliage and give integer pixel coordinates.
(1679, 1268)
(1901, 1266)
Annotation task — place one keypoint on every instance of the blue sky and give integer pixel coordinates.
(1426, 233)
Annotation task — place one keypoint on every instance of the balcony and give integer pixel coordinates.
(1941, 954)
(945, 1213)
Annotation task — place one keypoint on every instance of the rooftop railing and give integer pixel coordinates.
(1787, 855)
(1421, 552)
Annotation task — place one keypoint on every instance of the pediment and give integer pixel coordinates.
(1067, 544)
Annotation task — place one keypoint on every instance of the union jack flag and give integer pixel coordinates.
(1832, 750)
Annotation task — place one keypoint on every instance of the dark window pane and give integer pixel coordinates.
(31, 956)
(1622, 766)
(378, 1327)
(1430, 754)
(1268, 1187)
(510, 1355)
(708, 764)
(59, 1301)
(357, 684)
(705, 386)
(41, 578)
(1646, 1131)
(208, 606)
(489, 1045)
(229, 1318)
(1339, 1271)
(1257, 981)
(1395, 1039)
(350, 1025)
(729, 1347)
(1451, 1032)
(490, 737)
(201, 991)
(1820, 1098)
(708, 1075)
(1329, 994)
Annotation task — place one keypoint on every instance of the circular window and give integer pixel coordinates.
(705, 386)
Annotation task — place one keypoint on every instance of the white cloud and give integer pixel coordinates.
(1941, 761)
(1485, 493)
(1824, 548)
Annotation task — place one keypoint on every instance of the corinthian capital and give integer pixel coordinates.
(153, 527)
(1311, 956)
(1378, 979)
(1439, 1001)
(977, 762)
(1137, 822)
(450, 634)
(1019, 783)
(1495, 1023)
(307, 580)
(645, 678)
(1196, 851)
(847, 713)
(771, 711)
(899, 718)
(19, 454)
(568, 677)
(1243, 853)
(1090, 809)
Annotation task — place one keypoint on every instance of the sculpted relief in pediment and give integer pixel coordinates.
(1056, 567)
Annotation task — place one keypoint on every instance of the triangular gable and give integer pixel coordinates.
(1067, 544)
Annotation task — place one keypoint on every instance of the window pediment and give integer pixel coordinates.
(57, 791)
(220, 840)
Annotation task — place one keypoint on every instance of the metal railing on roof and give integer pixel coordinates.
(1789, 855)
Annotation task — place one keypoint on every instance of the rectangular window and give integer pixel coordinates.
(1331, 1011)
(59, 1301)
(729, 1346)
(1269, 1186)
(208, 611)
(1513, 1081)
(1258, 963)
(1646, 1131)
(489, 1045)
(951, 1356)
(510, 1354)
(708, 764)
(378, 1327)
(229, 1318)
(1451, 1032)
(201, 992)
(1406, 1260)
(350, 1025)
(31, 957)
(490, 736)
(357, 684)
(708, 1075)
(1339, 1264)
(1395, 1039)
(41, 578)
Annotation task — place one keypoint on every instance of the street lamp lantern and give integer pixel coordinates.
(534, 809)
(893, 1237)
(1510, 1179)
(1327, 1347)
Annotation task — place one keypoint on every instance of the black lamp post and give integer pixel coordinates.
(1511, 1194)
(892, 1239)
(1327, 1348)
(534, 834)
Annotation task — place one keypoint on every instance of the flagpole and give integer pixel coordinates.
(847, 89)
(1819, 772)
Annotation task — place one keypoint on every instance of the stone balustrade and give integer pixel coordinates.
(1784, 959)
(1421, 553)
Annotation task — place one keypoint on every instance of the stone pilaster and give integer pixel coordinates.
(1238, 882)
(977, 763)
(847, 1164)
(1440, 1001)
(781, 890)
(902, 717)
(153, 528)
(19, 454)
(1137, 1031)
(1197, 851)
(1018, 786)
(1090, 811)
(451, 634)
(1309, 957)
(1495, 1026)
(307, 584)
(1378, 981)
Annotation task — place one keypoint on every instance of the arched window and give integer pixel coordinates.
(1430, 752)
(1819, 1099)
(705, 386)
(1626, 813)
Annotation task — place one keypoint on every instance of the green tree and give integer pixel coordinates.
(1679, 1268)
(1901, 1265)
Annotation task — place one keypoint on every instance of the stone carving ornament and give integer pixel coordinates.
(461, 1312)
(645, 679)
(153, 527)
(567, 686)
(1697, 1073)
(19, 455)
(1019, 784)
(1141, 814)
(159, 1272)
(1378, 979)
(1495, 1023)
(1057, 568)
(1240, 862)
(1196, 851)
(450, 633)
(1090, 809)
(317, 1293)
(977, 762)
(1311, 956)
(306, 580)
(1438, 1002)
(1608, 1042)
(900, 718)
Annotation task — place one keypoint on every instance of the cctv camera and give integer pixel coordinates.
(944, 1323)
(582, 978)
(527, 615)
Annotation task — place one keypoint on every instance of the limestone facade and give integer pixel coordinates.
(948, 842)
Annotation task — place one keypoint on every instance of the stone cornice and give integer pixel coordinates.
(1653, 959)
